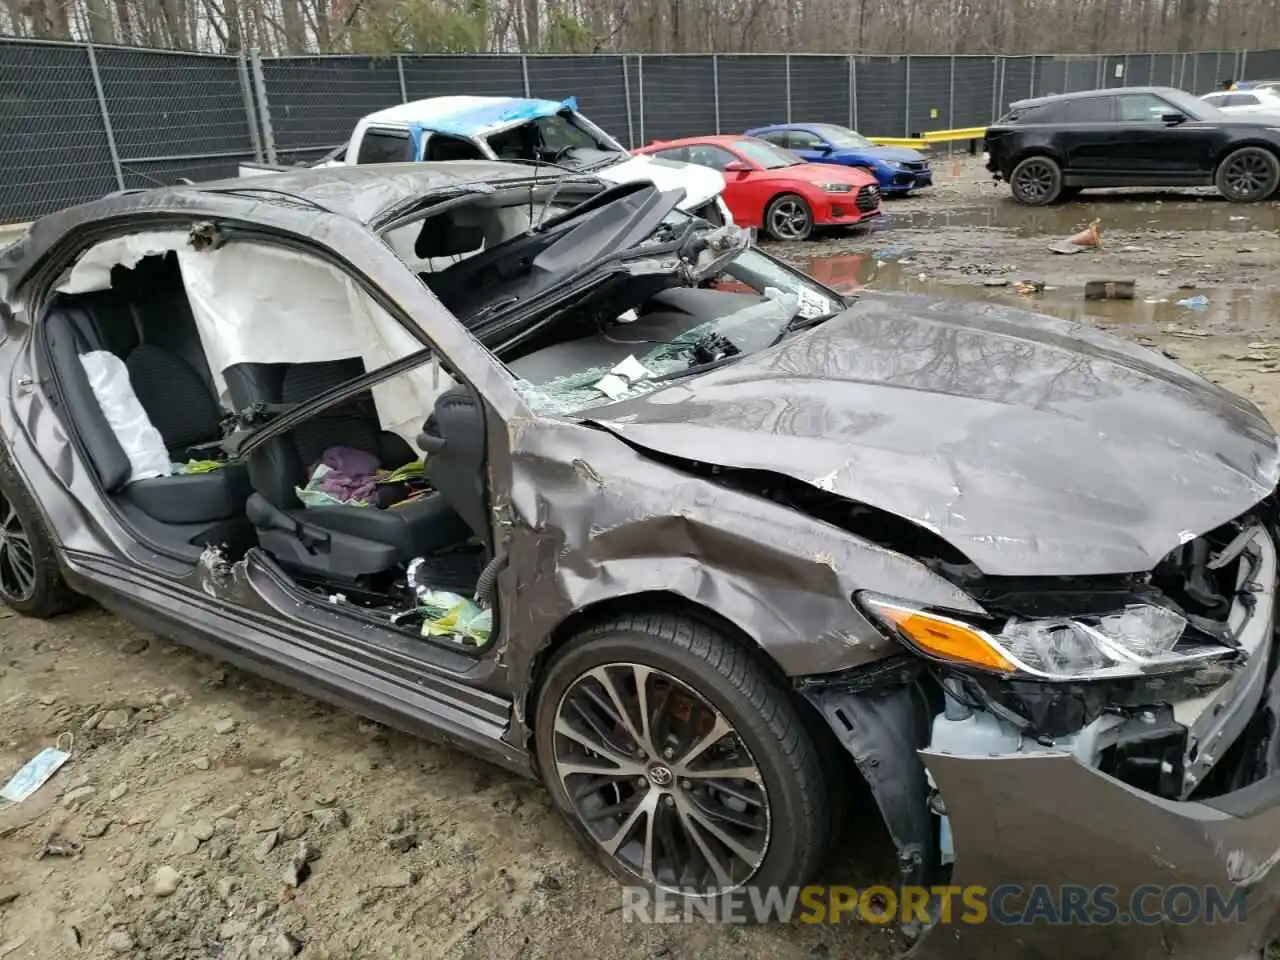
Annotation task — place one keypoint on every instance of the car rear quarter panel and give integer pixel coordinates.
(1008, 146)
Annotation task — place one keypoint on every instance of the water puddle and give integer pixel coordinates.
(1225, 309)
(1123, 212)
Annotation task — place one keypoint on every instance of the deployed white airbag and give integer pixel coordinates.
(255, 303)
(258, 303)
(93, 270)
(141, 441)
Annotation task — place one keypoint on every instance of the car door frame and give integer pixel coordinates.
(1173, 154)
(396, 131)
(737, 195)
(807, 154)
(252, 614)
(1085, 146)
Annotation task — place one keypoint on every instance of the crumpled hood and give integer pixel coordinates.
(700, 183)
(1033, 445)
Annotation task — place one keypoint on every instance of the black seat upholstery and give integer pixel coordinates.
(336, 542)
(456, 467)
(176, 399)
(199, 503)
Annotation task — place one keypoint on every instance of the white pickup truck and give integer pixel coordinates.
(510, 128)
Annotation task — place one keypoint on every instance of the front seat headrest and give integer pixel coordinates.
(453, 233)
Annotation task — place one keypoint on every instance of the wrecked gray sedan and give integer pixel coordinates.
(603, 493)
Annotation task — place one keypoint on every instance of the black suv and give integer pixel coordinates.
(1051, 148)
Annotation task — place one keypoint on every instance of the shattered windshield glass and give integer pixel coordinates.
(771, 297)
(565, 138)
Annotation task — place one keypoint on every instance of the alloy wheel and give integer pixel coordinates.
(1035, 180)
(17, 560)
(789, 220)
(661, 779)
(1248, 174)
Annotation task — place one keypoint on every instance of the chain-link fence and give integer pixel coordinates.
(80, 121)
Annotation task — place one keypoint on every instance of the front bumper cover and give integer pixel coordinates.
(1047, 820)
(1044, 821)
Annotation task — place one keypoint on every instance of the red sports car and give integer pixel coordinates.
(774, 190)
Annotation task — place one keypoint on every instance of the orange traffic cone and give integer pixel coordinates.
(1090, 236)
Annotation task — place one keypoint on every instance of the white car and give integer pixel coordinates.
(1256, 101)
(515, 129)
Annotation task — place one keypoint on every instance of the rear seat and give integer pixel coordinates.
(178, 399)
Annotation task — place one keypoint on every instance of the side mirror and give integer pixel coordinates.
(1173, 119)
(736, 166)
(824, 148)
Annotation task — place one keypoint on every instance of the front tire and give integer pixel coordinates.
(678, 762)
(1248, 175)
(31, 581)
(788, 217)
(1036, 181)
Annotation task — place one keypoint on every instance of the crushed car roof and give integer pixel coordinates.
(357, 193)
(469, 116)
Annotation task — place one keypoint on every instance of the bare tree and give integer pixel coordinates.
(656, 26)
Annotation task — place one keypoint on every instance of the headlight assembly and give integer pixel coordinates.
(1142, 638)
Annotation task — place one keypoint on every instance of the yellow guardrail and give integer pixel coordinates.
(925, 140)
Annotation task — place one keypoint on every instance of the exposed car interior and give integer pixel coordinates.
(159, 364)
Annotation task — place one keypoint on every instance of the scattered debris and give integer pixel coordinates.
(134, 645)
(119, 941)
(329, 818)
(115, 719)
(394, 880)
(36, 772)
(895, 251)
(72, 797)
(1195, 303)
(1109, 289)
(269, 843)
(57, 846)
(184, 844)
(1029, 287)
(403, 843)
(1090, 238)
(166, 882)
(225, 725)
(96, 828)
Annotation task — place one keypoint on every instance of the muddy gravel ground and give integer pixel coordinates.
(205, 813)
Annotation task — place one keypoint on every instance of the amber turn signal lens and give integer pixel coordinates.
(945, 638)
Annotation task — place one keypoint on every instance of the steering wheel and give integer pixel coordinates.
(557, 153)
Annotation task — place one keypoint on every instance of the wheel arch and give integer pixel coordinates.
(666, 601)
(778, 194)
(867, 739)
(1033, 150)
(1231, 148)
